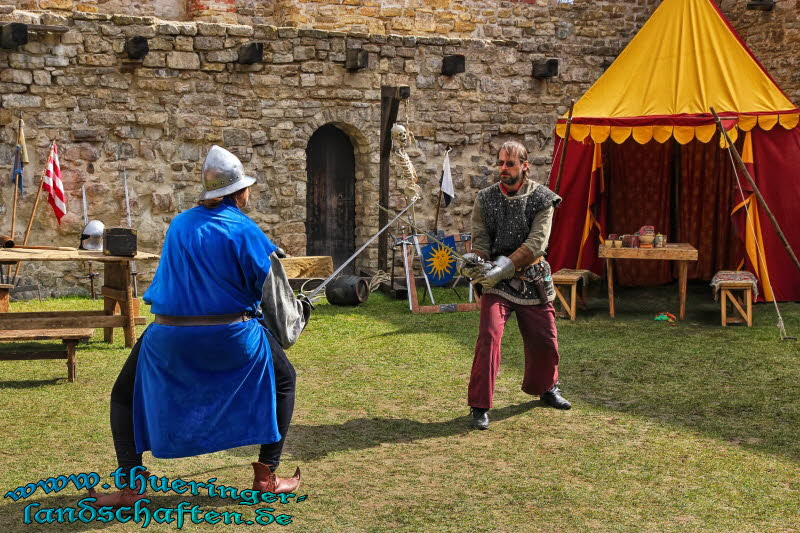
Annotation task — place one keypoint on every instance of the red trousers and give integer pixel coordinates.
(537, 324)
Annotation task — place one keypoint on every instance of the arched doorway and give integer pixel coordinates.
(330, 195)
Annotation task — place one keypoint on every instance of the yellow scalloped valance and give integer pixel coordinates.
(682, 134)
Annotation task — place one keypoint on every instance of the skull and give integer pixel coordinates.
(399, 136)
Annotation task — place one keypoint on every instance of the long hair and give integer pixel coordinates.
(516, 148)
(211, 203)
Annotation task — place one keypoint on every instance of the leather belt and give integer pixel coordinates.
(207, 320)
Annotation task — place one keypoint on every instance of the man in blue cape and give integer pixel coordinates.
(210, 373)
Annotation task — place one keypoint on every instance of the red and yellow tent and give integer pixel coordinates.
(644, 150)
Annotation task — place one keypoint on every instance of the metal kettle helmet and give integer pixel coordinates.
(222, 174)
(92, 236)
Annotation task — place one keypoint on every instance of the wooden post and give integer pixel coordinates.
(16, 186)
(71, 364)
(724, 307)
(126, 306)
(390, 104)
(757, 192)
(683, 268)
(33, 211)
(564, 147)
(610, 275)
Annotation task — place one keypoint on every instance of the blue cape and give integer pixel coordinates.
(201, 389)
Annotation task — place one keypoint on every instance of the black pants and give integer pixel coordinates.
(122, 408)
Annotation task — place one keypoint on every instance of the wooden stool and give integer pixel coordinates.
(567, 278)
(5, 294)
(744, 306)
(70, 338)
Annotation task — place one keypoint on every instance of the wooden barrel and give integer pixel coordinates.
(347, 290)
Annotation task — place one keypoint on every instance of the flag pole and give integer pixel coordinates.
(36, 202)
(16, 184)
(436, 219)
(564, 146)
(439, 203)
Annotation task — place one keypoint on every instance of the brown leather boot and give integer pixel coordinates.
(265, 480)
(122, 498)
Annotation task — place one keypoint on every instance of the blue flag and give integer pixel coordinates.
(16, 174)
(439, 262)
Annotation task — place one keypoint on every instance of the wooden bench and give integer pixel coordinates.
(740, 295)
(568, 279)
(70, 338)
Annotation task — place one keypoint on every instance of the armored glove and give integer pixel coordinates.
(307, 306)
(502, 268)
(472, 266)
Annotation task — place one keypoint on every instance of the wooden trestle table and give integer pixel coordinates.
(117, 289)
(681, 253)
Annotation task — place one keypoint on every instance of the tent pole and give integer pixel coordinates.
(761, 200)
(564, 145)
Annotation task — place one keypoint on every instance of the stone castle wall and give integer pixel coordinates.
(156, 118)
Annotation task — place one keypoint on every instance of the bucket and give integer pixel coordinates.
(347, 290)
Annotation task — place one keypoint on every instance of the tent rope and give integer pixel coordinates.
(556, 145)
(780, 324)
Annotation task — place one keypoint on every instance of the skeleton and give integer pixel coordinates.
(401, 139)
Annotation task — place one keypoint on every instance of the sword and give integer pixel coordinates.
(316, 291)
(134, 273)
(429, 235)
(92, 274)
(85, 210)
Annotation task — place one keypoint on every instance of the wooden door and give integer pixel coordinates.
(330, 195)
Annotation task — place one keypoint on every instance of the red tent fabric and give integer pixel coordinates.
(644, 150)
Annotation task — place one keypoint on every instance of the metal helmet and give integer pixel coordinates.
(222, 174)
(92, 236)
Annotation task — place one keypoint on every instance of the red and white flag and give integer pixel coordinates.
(51, 182)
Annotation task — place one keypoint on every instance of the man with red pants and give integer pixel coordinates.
(511, 224)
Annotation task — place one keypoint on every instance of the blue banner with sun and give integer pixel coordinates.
(439, 261)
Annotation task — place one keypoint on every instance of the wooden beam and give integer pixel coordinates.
(390, 104)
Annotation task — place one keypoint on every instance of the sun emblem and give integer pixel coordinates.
(440, 261)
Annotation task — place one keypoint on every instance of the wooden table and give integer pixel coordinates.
(117, 290)
(682, 253)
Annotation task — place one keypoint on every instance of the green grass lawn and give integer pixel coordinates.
(691, 427)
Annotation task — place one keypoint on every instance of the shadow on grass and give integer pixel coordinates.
(32, 384)
(12, 516)
(310, 442)
(735, 384)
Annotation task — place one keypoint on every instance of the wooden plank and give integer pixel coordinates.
(39, 354)
(566, 278)
(673, 252)
(446, 308)
(18, 254)
(8, 321)
(38, 335)
(51, 314)
(311, 266)
(114, 294)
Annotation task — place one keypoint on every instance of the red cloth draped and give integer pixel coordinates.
(570, 216)
(777, 175)
(639, 195)
(708, 193)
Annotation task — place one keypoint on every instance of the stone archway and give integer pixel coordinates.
(353, 123)
(330, 195)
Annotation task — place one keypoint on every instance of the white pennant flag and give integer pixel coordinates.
(448, 192)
